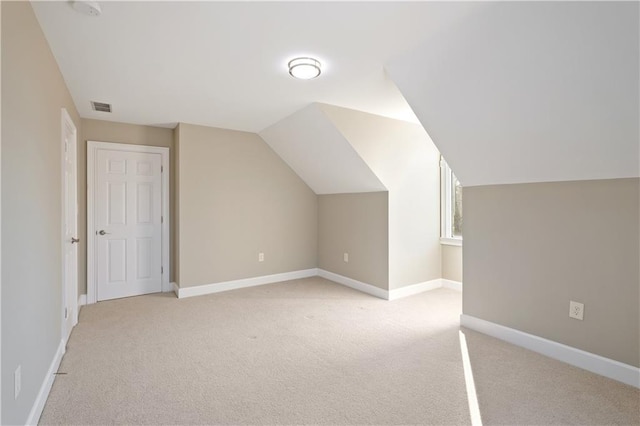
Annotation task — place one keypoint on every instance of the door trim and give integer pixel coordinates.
(92, 149)
(68, 128)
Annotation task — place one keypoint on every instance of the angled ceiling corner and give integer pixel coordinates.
(531, 92)
(393, 149)
(319, 153)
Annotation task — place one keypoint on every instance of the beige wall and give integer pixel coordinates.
(238, 198)
(108, 131)
(356, 224)
(33, 93)
(530, 248)
(406, 161)
(452, 262)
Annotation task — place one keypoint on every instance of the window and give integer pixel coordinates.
(450, 205)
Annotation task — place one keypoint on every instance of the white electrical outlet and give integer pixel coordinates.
(17, 382)
(260, 257)
(346, 257)
(576, 310)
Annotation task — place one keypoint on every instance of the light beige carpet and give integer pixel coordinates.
(311, 352)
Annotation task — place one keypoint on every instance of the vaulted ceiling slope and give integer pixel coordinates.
(224, 64)
(340, 150)
(531, 92)
(314, 148)
(394, 150)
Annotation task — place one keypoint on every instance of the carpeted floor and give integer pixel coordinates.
(311, 352)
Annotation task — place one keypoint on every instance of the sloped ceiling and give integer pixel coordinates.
(393, 149)
(340, 150)
(312, 146)
(224, 63)
(531, 92)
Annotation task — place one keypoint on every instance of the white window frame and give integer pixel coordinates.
(446, 209)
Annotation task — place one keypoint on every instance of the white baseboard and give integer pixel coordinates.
(247, 282)
(182, 292)
(355, 284)
(595, 363)
(82, 300)
(453, 285)
(410, 290)
(38, 405)
(398, 293)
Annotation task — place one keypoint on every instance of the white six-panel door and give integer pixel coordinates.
(127, 223)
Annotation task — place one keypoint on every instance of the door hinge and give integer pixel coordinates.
(66, 313)
(162, 270)
(161, 219)
(161, 169)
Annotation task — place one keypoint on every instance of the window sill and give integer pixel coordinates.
(451, 241)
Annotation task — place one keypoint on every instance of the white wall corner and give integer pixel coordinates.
(43, 394)
(175, 288)
(410, 290)
(82, 300)
(244, 283)
(606, 367)
(453, 285)
(354, 284)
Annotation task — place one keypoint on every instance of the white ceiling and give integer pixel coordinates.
(531, 92)
(223, 64)
(338, 150)
(399, 153)
(319, 153)
(509, 92)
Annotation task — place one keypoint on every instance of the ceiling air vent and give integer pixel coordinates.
(100, 106)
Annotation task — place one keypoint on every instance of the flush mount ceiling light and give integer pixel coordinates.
(91, 8)
(304, 68)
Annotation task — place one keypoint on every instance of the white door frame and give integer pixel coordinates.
(68, 130)
(92, 149)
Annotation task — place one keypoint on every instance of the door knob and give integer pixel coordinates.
(101, 232)
(75, 240)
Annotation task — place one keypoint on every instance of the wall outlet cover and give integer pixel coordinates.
(576, 310)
